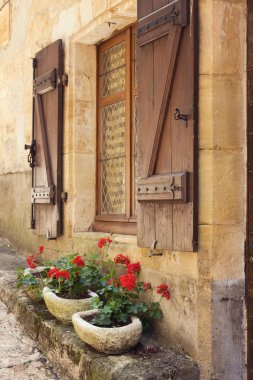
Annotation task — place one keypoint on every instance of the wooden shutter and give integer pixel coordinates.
(167, 138)
(47, 133)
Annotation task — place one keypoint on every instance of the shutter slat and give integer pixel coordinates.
(42, 126)
(48, 125)
(153, 145)
(166, 145)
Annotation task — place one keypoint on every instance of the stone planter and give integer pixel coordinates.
(35, 292)
(115, 340)
(63, 308)
(34, 271)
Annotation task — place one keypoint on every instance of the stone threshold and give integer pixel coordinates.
(75, 360)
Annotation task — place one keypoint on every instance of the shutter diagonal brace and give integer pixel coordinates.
(41, 121)
(152, 148)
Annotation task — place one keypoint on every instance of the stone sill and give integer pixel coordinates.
(74, 359)
(130, 240)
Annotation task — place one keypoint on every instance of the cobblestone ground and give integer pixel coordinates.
(20, 358)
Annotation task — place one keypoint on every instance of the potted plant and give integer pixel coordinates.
(115, 324)
(69, 286)
(32, 278)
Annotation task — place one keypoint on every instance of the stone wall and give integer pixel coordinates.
(222, 141)
(206, 285)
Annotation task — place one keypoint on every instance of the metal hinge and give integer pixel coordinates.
(64, 196)
(63, 80)
(43, 195)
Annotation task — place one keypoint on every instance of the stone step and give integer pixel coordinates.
(75, 360)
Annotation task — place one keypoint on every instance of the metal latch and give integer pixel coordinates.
(179, 116)
(152, 248)
(31, 155)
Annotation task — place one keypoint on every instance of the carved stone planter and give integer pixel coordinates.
(115, 340)
(63, 308)
(35, 292)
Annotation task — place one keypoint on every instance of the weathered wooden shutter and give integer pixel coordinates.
(167, 138)
(47, 141)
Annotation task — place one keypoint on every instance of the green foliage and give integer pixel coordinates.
(30, 280)
(79, 278)
(115, 281)
(117, 304)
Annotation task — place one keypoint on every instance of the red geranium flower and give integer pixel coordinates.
(31, 261)
(121, 259)
(146, 286)
(52, 272)
(78, 260)
(163, 290)
(135, 267)
(41, 249)
(127, 281)
(62, 273)
(103, 241)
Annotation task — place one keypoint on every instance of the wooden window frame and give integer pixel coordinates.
(119, 223)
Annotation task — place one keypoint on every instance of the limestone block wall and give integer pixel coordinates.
(222, 164)
(208, 286)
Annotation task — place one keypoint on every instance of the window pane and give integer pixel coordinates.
(113, 159)
(113, 186)
(114, 70)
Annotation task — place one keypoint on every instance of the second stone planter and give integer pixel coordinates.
(63, 308)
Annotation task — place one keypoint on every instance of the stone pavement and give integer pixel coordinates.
(20, 358)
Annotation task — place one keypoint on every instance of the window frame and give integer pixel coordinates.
(118, 223)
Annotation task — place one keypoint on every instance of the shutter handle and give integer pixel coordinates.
(179, 116)
(152, 248)
(31, 155)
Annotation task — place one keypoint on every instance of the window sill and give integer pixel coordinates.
(119, 238)
(116, 226)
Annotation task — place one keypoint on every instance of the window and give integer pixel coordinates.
(117, 122)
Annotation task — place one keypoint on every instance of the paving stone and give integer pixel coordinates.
(20, 358)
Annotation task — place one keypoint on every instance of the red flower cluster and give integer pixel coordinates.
(121, 259)
(52, 272)
(31, 261)
(164, 291)
(127, 281)
(146, 286)
(135, 267)
(62, 273)
(104, 241)
(78, 260)
(55, 272)
(41, 249)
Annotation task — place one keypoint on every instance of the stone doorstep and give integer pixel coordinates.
(74, 359)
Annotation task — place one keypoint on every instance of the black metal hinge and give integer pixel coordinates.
(63, 80)
(64, 196)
